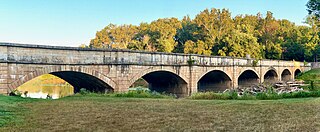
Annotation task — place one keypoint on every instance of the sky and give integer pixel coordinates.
(75, 22)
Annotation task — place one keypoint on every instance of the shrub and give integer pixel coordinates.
(311, 88)
(210, 95)
(84, 91)
(142, 94)
(15, 93)
(191, 61)
(255, 62)
(269, 95)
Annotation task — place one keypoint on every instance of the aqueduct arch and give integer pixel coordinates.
(77, 77)
(164, 80)
(297, 72)
(270, 76)
(248, 78)
(215, 80)
(82, 80)
(286, 75)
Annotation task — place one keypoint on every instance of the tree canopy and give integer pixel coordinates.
(215, 32)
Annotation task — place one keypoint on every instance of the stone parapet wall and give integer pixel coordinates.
(40, 54)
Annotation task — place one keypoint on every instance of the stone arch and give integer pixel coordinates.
(214, 80)
(248, 78)
(270, 76)
(163, 80)
(249, 69)
(63, 74)
(297, 72)
(286, 75)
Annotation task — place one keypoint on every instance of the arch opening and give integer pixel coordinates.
(270, 77)
(248, 78)
(166, 82)
(82, 80)
(63, 83)
(286, 75)
(140, 83)
(297, 72)
(216, 81)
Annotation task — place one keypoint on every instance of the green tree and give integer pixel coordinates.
(215, 25)
(268, 39)
(188, 31)
(102, 39)
(314, 8)
(162, 34)
(113, 36)
(239, 44)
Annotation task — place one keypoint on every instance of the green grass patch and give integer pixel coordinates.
(100, 113)
(311, 77)
(9, 108)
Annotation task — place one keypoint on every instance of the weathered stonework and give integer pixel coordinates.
(119, 69)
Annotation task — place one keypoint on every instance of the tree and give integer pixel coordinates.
(239, 44)
(314, 8)
(122, 35)
(268, 39)
(113, 36)
(162, 34)
(189, 31)
(215, 32)
(102, 39)
(215, 25)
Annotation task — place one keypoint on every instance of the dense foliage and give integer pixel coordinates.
(215, 32)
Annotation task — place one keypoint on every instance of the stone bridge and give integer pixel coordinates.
(101, 70)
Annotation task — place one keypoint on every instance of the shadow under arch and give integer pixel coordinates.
(286, 75)
(297, 72)
(82, 80)
(164, 81)
(214, 80)
(248, 78)
(270, 76)
(63, 72)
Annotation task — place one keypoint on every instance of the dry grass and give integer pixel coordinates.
(129, 114)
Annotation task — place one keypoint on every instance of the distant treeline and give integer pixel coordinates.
(215, 32)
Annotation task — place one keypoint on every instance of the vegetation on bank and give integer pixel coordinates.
(258, 96)
(312, 78)
(138, 93)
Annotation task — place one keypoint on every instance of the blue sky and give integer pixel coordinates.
(73, 22)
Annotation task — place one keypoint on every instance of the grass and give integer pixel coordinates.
(10, 107)
(259, 96)
(311, 76)
(100, 113)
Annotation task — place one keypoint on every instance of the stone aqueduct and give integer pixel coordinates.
(100, 70)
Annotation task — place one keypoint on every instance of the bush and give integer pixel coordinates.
(210, 95)
(142, 94)
(15, 93)
(311, 88)
(255, 62)
(269, 95)
(84, 91)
